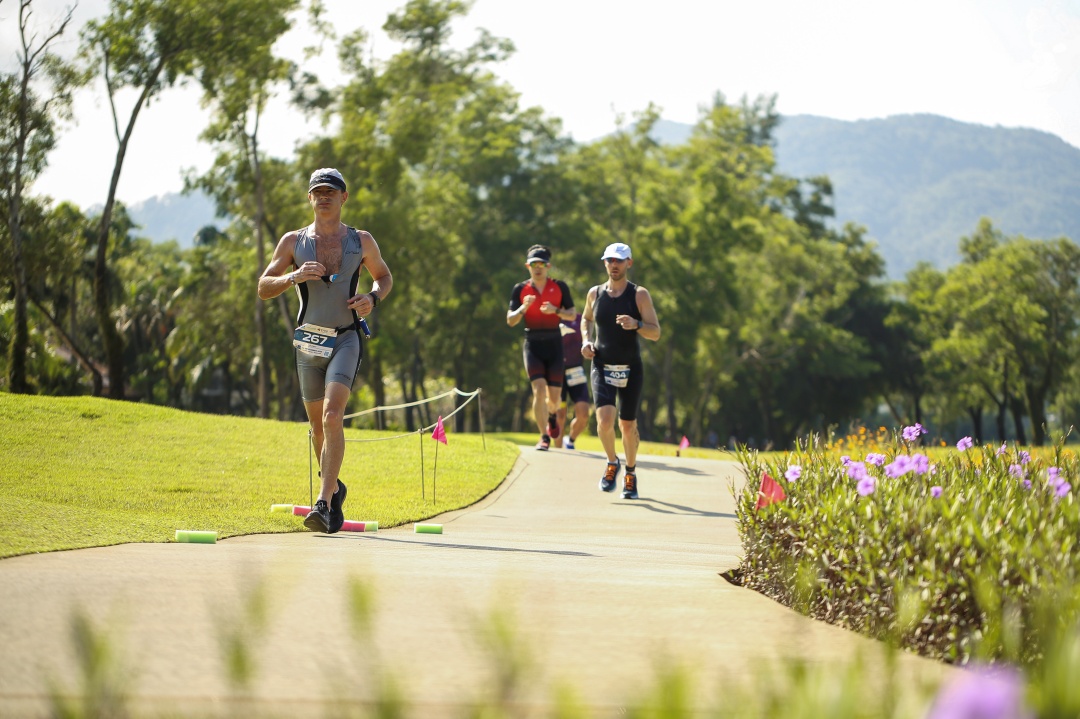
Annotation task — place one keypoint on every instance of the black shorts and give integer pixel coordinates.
(629, 397)
(544, 360)
(578, 392)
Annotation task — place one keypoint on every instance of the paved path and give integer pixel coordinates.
(601, 591)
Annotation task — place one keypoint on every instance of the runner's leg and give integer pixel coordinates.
(540, 404)
(605, 428)
(337, 397)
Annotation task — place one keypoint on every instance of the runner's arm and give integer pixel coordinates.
(650, 323)
(588, 350)
(381, 279)
(275, 279)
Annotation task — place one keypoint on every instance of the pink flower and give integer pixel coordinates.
(965, 443)
(935, 492)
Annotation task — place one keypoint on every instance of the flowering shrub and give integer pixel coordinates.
(899, 544)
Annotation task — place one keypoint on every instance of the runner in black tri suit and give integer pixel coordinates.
(542, 302)
(328, 256)
(620, 311)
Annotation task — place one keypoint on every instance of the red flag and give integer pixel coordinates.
(770, 492)
(684, 443)
(439, 433)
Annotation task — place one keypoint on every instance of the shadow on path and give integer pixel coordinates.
(560, 552)
(683, 510)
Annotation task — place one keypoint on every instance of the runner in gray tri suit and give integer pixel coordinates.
(328, 256)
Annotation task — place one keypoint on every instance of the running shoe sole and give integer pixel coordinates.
(315, 523)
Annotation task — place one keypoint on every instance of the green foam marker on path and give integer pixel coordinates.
(284, 508)
(428, 528)
(196, 537)
(371, 526)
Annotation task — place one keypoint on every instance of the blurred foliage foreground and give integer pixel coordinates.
(966, 555)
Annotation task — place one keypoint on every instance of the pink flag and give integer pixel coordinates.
(684, 443)
(439, 433)
(770, 492)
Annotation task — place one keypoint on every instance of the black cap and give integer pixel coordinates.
(538, 253)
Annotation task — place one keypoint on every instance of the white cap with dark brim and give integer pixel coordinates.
(326, 177)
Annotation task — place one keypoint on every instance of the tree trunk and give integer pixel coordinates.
(1017, 407)
(669, 391)
(976, 414)
(110, 337)
(1036, 410)
(20, 339)
(260, 259)
(378, 389)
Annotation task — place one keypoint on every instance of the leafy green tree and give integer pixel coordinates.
(238, 95)
(149, 46)
(32, 99)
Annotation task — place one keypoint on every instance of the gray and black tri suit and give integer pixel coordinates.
(616, 346)
(326, 304)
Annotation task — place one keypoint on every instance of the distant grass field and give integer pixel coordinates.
(82, 472)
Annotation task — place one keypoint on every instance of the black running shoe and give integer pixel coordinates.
(553, 426)
(337, 515)
(318, 519)
(629, 487)
(607, 482)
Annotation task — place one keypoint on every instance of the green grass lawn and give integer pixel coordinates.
(83, 472)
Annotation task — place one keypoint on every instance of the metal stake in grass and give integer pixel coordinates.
(439, 435)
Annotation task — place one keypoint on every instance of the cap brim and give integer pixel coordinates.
(324, 184)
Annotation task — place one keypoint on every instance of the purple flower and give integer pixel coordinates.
(982, 693)
(935, 492)
(1016, 470)
(866, 486)
(857, 471)
(875, 459)
(1052, 475)
(1062, 489)
(793, 472)
(920, 463)
(1001, 449)
(1025, 457)
(899, 467)
(964, 443)
(1026, 483)
(845, 460)
(912, 433)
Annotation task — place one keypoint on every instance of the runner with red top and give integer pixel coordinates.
(542, 302)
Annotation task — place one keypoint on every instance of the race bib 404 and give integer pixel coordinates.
(315, 340)
(616, 375)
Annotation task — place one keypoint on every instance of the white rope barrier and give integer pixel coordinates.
(471, 396)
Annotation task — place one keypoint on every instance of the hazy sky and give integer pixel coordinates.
(992, 62)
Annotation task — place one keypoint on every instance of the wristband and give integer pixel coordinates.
(374, 299)
(640, 324)
(292, 278)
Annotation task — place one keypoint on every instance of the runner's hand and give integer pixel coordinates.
(361, 304)
(588, 351)
(626, 322)
(309, 271)
(527, 302)
(548, 309)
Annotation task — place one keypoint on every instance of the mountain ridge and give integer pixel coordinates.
(918, 183)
